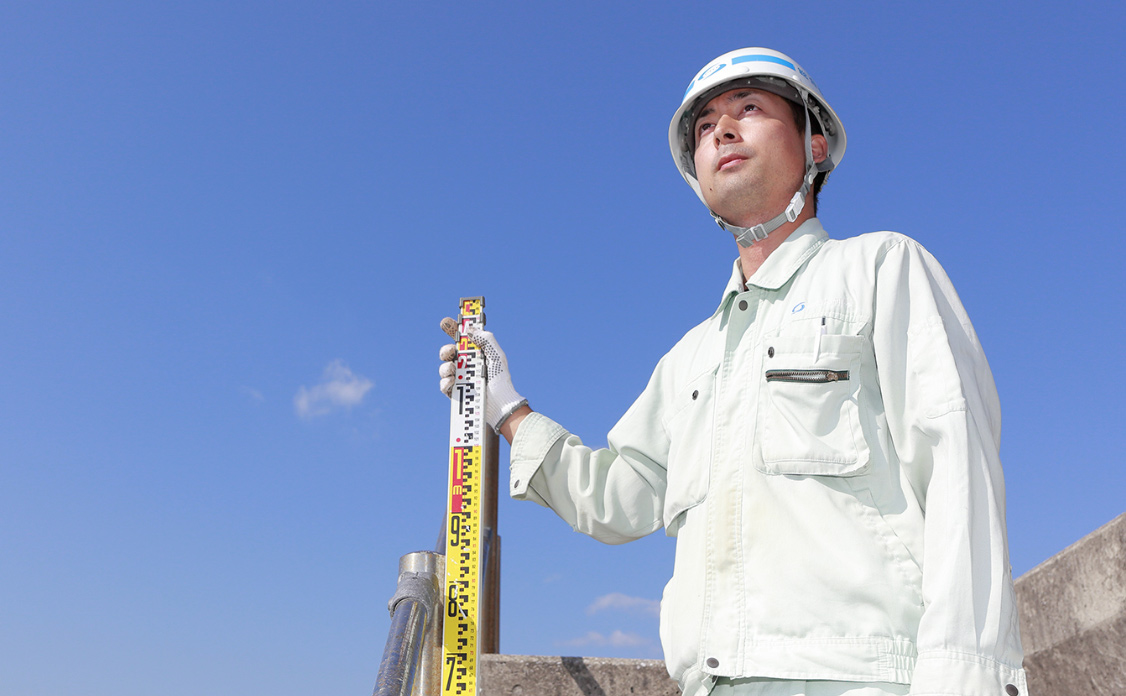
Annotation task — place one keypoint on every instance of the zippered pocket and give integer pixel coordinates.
(807, 376)
(809, 406)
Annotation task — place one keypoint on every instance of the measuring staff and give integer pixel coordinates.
(469, 368)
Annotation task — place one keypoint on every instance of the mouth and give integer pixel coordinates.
(729, 161)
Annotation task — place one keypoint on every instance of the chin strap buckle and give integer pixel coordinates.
(797, 203)
(749, 235)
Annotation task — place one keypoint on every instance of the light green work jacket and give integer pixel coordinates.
(825, 449)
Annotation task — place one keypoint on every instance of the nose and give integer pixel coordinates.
(726, 130)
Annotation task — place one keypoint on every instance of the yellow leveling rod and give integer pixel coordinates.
(460, 639)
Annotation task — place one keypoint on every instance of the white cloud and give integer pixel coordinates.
(339, 388)
(617, 639)
(620, 602)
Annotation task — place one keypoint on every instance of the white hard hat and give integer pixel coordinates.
(761, 68)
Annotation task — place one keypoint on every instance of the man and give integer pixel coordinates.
(824, 446)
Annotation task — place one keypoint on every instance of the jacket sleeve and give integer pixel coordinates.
(615, 494)
(945, 423)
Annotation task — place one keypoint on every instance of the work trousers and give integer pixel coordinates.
(787, 687)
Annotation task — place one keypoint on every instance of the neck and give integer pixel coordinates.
(751, 258)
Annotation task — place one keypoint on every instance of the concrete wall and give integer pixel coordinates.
(1073, 617)
(522, 675)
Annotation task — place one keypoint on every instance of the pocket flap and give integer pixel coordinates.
(809, 415)
(690, 428)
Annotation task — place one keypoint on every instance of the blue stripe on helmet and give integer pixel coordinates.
(759, 58)
(749, 58)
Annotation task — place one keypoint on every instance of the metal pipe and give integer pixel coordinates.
(413, 608)
(402, 652)
(428, 679)
(440, 545)
(490, 566)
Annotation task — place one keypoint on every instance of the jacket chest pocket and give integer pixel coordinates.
(809, 406)
(690, 427)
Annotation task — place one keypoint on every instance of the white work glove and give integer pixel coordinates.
(501, 399)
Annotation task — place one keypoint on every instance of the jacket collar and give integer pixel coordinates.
(782, 263)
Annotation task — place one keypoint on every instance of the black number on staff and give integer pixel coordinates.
(451, 602)
(451, 661)
(461, 399)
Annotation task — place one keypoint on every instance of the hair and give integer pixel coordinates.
(815, 129)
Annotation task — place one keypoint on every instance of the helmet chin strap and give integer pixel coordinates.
(746, 236)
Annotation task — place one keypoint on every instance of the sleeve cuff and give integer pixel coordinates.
(946, 673)
(534, 439)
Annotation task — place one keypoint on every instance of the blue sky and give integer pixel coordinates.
(228, 232)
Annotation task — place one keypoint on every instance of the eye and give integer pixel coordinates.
(704, 127)
(750, 107)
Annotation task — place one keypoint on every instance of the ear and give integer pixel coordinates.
(820, 147)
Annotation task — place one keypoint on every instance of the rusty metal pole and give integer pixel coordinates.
(490, 599)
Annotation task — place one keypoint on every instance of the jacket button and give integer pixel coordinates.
(1012, 690)
(743, 304)
(713, 663)
(695, 394)
(770, 352)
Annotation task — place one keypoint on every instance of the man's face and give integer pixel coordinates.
(750, 157)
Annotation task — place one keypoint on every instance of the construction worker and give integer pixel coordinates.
(824, 446)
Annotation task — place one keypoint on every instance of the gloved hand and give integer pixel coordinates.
(501, 399)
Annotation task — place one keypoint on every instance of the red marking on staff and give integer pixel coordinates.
(457, 480)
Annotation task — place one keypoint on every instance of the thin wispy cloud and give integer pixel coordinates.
(616, 601)
(252, 394)
(617, 639)
(339, 389)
